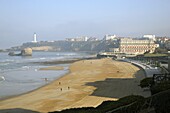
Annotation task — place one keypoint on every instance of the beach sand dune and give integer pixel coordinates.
(89, 83)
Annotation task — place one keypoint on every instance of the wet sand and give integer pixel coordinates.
(89, 83)
(52, 68)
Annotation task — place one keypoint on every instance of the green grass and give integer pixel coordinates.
(154, 55)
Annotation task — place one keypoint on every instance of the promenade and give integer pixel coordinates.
(149, 71)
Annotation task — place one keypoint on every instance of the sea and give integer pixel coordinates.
(20, 75)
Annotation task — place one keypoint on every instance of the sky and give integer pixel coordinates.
(60, 19)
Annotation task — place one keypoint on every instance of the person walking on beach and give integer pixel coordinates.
(61, 89)
(45, 79)
(68, 87)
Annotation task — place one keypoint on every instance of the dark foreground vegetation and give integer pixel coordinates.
(158, 102)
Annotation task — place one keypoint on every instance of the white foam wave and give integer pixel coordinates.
(9, 60)
(25, 67)
(42, 58)
(68, 54)
(6, 61)
(3, 64)
(2, 78)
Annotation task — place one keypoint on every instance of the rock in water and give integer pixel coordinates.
(26, 52)
(11, 54)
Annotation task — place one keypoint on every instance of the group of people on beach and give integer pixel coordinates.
(46, 80)
(62, 88)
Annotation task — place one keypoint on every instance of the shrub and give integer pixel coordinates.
(160, 87)
(161, 101)
(146, 82)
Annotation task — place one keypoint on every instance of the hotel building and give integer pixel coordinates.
(136, 46)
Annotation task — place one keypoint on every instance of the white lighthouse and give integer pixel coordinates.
(35, 38)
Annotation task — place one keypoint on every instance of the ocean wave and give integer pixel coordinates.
(21, 63)
(3, 63)
(42, 58)
(68, 54)
(37, 59)
(2, 78)
(7, 61)
(25, 67)
(12, 69)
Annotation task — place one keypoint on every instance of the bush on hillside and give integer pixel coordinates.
(160, 87)
(161, 102)
(146, 82)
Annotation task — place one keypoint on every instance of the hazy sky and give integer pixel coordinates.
(60, 19)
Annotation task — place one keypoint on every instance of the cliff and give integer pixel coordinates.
(42, 48)
(26, 52)
(94, 46)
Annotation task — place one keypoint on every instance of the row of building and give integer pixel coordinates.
(106, 38)
(82, 38)
(85, 38)
(148, 43)
(127, 45)
(134, 45)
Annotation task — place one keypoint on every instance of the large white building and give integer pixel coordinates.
(151, 37)
(82, 38)
(136, 46)
(93, 39)
(109, 37)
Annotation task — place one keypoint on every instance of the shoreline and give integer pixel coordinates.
(18, 95)
(48, 64)
(66, 61)
(84, 76)
(50, 68)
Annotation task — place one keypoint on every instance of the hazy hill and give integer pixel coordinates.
(69, 46)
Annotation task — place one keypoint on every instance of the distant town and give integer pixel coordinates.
(110, 43)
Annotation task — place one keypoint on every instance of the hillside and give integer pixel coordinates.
(69, 46)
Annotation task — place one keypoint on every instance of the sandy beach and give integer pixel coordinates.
(89, 83)
(53, 68)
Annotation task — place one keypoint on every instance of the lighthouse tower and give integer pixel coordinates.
(35, 38)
